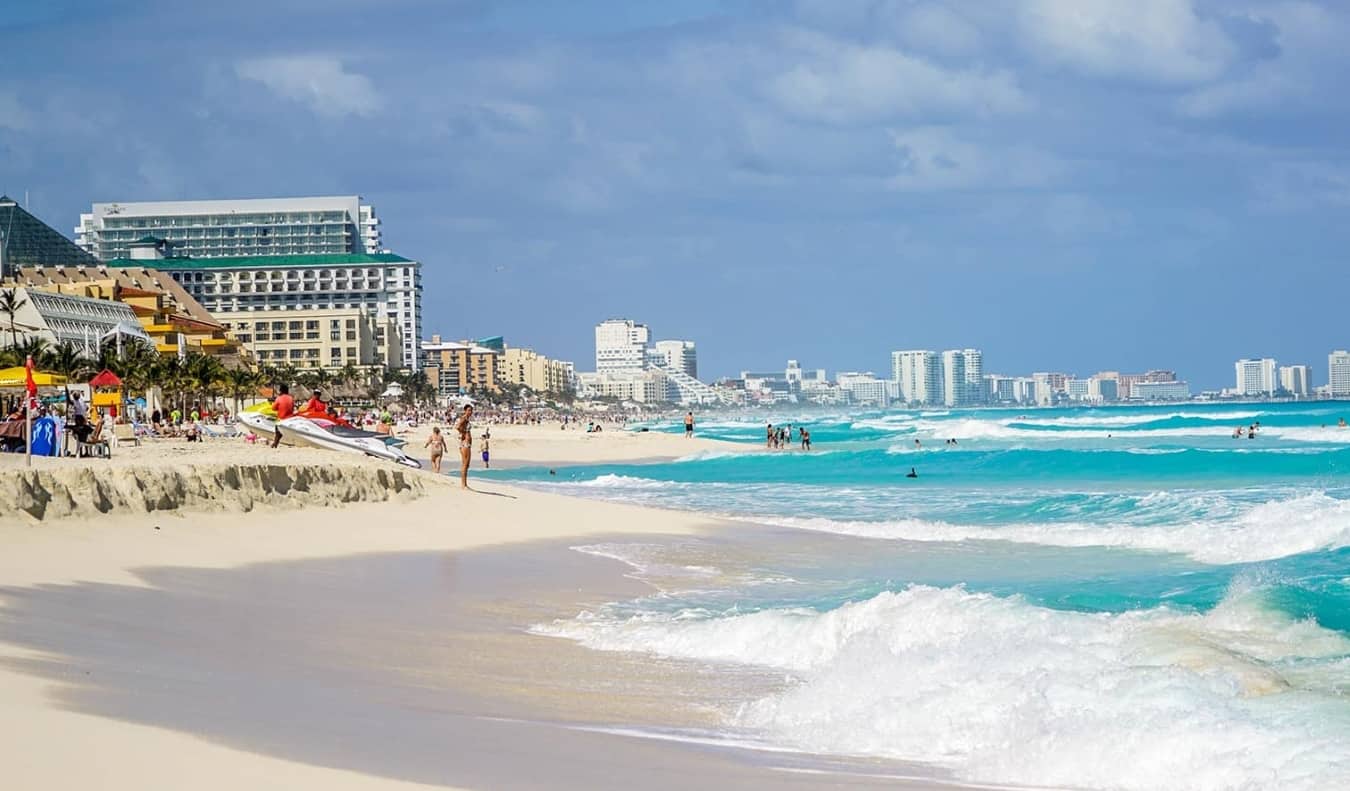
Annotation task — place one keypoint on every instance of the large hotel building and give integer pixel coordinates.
(225, 228)
(247, 260)
(381, 293)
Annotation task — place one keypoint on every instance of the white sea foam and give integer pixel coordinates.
(896, 423)
(1000, 690)
(1266, 531)
(611, 481)
(1122, 419)
(978, 429)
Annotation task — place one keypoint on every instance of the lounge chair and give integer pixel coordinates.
(124, 432)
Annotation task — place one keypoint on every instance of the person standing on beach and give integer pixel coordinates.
(464, 428)
(487, 438)
(770, 435)
(688, 425)
(437, 444)
(285, 407)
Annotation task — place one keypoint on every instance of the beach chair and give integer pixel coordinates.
(124, 432)
(95, 446)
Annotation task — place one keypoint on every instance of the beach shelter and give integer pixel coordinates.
(107, 390)
(105, 378)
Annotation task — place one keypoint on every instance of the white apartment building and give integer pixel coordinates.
(621, 346)
(1000, 389)
(678, 356)
(385, 285)
(1160, 391)
(1255, 377)
(919, 375)
(1102, 389)
(644, 387)
(963, 377)
(227, 228)
(1077, 389)
(1338, 374)
(864, 388)
(1296, 380)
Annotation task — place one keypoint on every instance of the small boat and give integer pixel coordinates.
(314, 432)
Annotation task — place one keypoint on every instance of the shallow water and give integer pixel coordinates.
(1105, 598)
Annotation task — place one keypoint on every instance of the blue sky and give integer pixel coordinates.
(1067, 184)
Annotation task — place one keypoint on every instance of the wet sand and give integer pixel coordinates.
(396, 666)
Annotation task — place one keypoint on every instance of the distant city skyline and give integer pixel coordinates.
(1066, 186)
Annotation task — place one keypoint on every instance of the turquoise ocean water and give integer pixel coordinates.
(1102, 598)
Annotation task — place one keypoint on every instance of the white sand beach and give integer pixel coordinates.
(340, 637)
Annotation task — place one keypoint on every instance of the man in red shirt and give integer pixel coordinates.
(285, 407)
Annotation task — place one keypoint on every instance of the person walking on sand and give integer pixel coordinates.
(285, 407)
(464, 427)
(437, 444)
(688, 425)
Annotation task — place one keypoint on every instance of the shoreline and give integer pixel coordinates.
(169, 645)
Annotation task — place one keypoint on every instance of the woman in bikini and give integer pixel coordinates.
(437, 444)
(465, 429)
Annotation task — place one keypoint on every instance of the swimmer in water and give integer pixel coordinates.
(913, 473)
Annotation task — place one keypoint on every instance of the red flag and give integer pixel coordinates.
(29, 384)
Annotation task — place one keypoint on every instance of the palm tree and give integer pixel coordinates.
(309, 380)
(137, 366)
(10, 305)
(347, 377)
(203, 372)
(33, 346)
(240, 382)
(68, 360)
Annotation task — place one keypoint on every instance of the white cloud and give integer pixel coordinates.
(1159, 40)
(1305, 73)
(934, 159)
(833, 80)
(319, 81)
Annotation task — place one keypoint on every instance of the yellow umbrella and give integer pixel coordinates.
(15, 377)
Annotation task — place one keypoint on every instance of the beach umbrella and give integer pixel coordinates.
(18, 376)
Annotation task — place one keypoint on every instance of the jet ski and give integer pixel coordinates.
(261, 419)
(320, 433)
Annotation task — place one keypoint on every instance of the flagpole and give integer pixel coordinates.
(28, 411)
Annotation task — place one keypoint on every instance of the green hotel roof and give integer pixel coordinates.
(245, 261)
